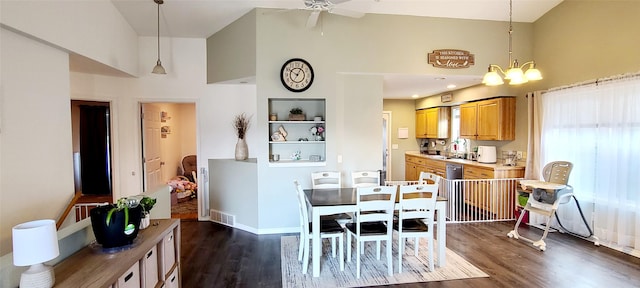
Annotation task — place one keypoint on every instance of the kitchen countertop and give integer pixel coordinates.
(496, 166)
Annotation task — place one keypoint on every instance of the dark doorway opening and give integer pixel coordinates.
(92, 148)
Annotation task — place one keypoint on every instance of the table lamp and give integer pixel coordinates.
(34, 243)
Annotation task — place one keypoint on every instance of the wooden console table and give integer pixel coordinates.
(153, 260)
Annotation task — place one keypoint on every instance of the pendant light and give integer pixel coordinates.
(514, 72)
(158, 69)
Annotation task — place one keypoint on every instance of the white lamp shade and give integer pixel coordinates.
(533, 74)
(35, 242)
(492, 79)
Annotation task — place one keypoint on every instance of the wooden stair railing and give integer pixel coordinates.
(64, 215)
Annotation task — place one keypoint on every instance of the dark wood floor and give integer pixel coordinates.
(217, 256)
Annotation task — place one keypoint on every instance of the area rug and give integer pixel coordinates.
(187, 209)
(373, 271)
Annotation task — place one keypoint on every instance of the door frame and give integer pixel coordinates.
(387, 143)
(203, 169)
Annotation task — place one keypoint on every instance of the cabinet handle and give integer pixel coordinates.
(173, 278)
(128, 277)
(150, 253)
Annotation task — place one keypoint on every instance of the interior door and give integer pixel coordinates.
(151, 162)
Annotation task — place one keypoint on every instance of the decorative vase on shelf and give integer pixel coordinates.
(242, 151)
(145, 221)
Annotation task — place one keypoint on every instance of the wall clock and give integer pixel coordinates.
(296, 75)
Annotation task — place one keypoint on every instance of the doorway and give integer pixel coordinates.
(91, 148)
(386, 145)
(168, 133)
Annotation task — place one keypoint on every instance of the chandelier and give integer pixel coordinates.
(158, 69)
(515, 72)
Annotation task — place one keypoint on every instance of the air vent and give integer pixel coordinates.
(222, 218)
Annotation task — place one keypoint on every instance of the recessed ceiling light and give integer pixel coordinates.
(451, 86)
(414, 96)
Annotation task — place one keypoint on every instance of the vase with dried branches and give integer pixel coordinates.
(241, 124)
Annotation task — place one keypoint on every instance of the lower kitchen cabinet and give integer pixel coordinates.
(487, 194)
(415, 164)
(152, 261)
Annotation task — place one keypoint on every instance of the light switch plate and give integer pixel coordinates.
(394, 146)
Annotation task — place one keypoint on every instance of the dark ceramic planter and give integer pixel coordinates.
(114, 234)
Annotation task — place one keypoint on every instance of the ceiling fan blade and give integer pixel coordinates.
(338, 1)
(345, 12)
(313, 19)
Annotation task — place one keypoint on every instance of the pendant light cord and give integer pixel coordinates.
(159, 2)
(510, 32)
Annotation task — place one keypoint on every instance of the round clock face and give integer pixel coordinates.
(296, 75)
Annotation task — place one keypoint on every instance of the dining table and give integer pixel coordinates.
(343, 200)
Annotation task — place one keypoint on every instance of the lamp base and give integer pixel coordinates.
(38, 276)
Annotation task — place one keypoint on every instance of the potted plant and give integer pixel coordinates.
(147, 204)
(116, 224)
(296, 114)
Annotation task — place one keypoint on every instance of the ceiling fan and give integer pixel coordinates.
(317, 6)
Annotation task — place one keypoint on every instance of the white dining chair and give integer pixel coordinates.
(416, 209)
(365, 178)
(328, 229)
(330, 180)
(374, 221)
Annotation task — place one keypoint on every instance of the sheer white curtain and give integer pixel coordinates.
(597, 128)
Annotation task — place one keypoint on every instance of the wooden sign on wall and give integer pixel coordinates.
(451, 58)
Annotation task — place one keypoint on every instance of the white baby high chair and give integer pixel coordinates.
(545, 198)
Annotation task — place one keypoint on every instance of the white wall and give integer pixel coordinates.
(36, 169)
(184, 82)
(346, 57)
(36, 135)
(94, 29)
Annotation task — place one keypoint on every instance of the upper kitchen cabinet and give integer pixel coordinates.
(491, 119)
(433, 122)
(421, 123)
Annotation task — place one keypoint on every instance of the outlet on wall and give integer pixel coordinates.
(519, 155)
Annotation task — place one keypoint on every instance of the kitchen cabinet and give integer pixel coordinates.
(414, 165)
(433, 123)
(299, 147)
(421, 124)
(132, 266)
(491, 119)
(496, 198)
